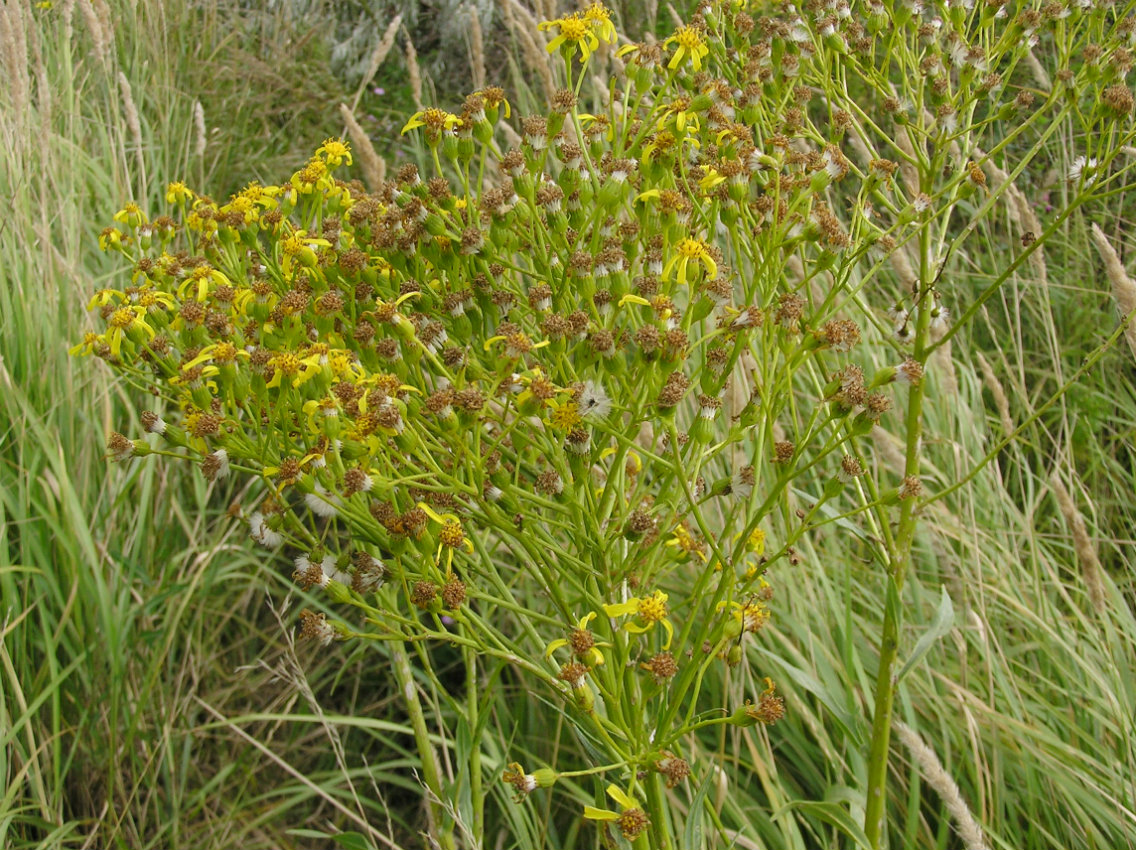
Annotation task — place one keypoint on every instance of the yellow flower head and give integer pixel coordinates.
(493, 97)
(573, 33)
(123, 321)
(690, 43)
(686, 542)
(756, 541)
(647, 611)
(436, 121)
(582, 643)
(564, 415)
(687, 252)
(310, 176)
(288, 365)
(752, 614)
(335, 152)
(450, 537)
(178, 192)
(631, 818)
(131, 215)
(599, 16)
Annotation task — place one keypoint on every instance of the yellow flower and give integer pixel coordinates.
(711, 178)
(300, 244)
(450, 537)
(687, 542)
(494, 97)
(648, 611)
(599, 16)
(87, 346)
(752, 614)
(573, 33)
(690, 251)
(581, 641)
(288, 365)
(525, 783)
(131, 215)
(177, 192)
(516, 345)
(218, 352)
(690, 43)
(631, 818)
(314, 174)
(435, 121)
(756, 541)
(199, 223)
(199, 279)
(335, 152)
(563, 415)
(683, 115)
(123, 321)
(244, 205)
(103, 297)
(111, 237)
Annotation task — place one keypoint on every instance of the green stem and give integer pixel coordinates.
(431, 770)
(472, 712)
(899, 562)
(659, 813)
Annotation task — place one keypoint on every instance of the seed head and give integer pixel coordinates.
(453, 593)
(662, 666)
(316, 627)
(423, 593)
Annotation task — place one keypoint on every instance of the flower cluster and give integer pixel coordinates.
(600, 365)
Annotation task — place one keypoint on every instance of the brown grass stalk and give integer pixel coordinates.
(944, 784)
(476, 49)
(380, 53)
(414, 73)
(1082, 543)
(373, 165)
(1123, 287)
(997, 392)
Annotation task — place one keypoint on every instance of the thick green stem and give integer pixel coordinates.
(900, 560)
(659, 813)
(431, 770)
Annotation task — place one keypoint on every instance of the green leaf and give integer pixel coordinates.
(944, 620)
(352, 841)
(692, 833)
(832, 813)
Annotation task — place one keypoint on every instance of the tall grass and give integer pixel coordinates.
(149, 697)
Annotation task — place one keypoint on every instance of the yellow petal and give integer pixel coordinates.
(555, 645)
(592, 813)
(620, 796)
(622, 608)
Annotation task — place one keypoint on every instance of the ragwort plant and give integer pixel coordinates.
(571, 407)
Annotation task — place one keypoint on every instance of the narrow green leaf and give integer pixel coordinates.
(692, 834)
(831, 813)
(352, 841)
(944, 620)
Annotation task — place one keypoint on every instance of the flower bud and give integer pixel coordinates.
(741, 718)
(545, 777)
(584, 698)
